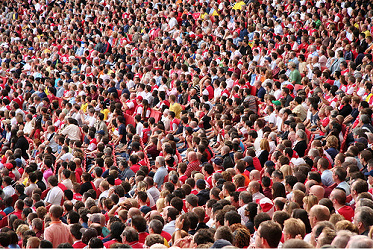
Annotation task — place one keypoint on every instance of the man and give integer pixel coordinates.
(294, 228)
(170, 214)
(339, 177)
(227, 159)
(268, 235)
(316, 214)
(363, 219)
(301, 145)
(294, 77)
(77, 235)
(55, 193)
(243, 200)
(254, 188)
(338, 197)
(131, 237)
(161, 172)
(57, 232)
(124, 171)
(72, 131)
(193, 165)
(326, 174)
(7, 187)
(23, 144)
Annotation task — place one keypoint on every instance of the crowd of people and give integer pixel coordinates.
(186, 124)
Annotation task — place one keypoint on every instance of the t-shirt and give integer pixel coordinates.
(122, 131)
(346, 212)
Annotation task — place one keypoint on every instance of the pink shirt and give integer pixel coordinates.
(58, 233)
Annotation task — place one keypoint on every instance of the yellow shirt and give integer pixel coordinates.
(177, 109)
(106, 113)
(84, 107)
(239, 5)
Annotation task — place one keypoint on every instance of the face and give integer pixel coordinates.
(259, 239)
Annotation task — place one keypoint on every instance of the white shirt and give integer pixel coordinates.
(54, 196)
(67, 156)
(8, 191)
(169, 227)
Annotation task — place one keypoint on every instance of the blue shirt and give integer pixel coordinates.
(159, 176)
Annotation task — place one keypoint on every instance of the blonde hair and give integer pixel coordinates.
(264, 145)
(286, 170)
(309, 201)
(160, 204)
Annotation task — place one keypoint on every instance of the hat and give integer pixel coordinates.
(289, 86)
(266, 205)
(18, 162)
(218, 161)
(269, 164)
(101, 132)
(139, 98)
(277, 103)
(369, 173)
(8, 165)
(201, 184)
(268, 59)
(145, 209)
(248, 160)
(287, 122)
(220, 243)
(362, 140)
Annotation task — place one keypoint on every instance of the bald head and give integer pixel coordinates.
(192, 156)
(338, 196)
(254, 187)
(133, 211)
(255, 175)
(318, 213)
(317, 191)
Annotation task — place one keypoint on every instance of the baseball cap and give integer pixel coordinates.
(248, 159)
(145, 209)
(362, 140)
(277, 103)
(289, 86)
(217, 160)
(139, 98)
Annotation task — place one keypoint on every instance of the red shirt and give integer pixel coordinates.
(347, 212)
(79, 244)
(142, 237)
(193, 166)
(135, 168)
(109, 243)
(166, 235)
(136, 244)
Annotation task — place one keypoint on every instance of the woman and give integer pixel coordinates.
(303, 215)
(251, 211)
(278, 190)
(332, 146)
(264, 152)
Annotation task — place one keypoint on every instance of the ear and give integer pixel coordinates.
(264, 243)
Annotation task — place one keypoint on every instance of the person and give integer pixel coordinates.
(57, 232)
(55, 194)
(268, 235)
(161, 171)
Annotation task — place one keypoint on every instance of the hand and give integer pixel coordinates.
(179, 223)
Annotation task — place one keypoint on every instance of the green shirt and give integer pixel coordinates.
(295, 76)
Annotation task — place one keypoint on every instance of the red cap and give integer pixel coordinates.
(290, 87)
(139, 98)
(8, 165)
